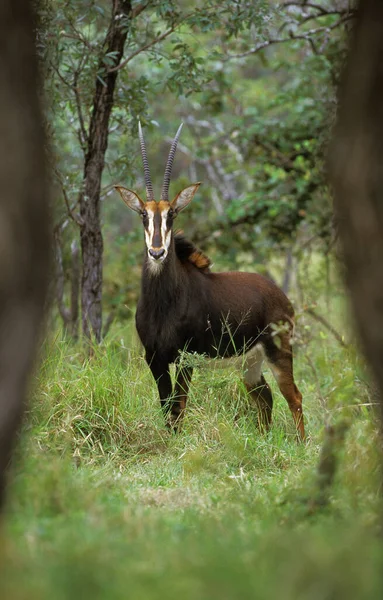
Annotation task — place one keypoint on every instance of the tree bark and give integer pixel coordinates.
(74, 288)
(69, 315)
(24, 222)
(60, 281)
(97, 142)
(356, 167)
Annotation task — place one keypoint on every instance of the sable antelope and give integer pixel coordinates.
(183, 305)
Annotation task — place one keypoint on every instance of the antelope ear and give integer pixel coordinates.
(131, 199)
(183, 198)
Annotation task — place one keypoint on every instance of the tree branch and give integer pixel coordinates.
(82, 131)
(302, 36)
(75, 217)
(322, 11)
(79, 38)
(156, 40)
(139, 9)
(327, 325)
(150, 44)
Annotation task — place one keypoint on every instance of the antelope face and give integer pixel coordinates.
(157, 219)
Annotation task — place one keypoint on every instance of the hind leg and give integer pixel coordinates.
(280, 360)
(257, 387)
(263, 398)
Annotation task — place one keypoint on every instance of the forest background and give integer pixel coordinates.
(256, 91)
(102, 496)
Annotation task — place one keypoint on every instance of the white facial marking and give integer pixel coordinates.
(150, 231)
(155, 264)
(165, 235)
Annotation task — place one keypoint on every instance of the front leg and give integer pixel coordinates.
(161, 374)
(181, 388)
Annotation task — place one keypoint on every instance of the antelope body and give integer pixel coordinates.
(183, 305)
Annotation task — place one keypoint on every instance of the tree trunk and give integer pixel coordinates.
(91, 236)
(65, 313)
(24, 222)
(74, 288)
(356, 166)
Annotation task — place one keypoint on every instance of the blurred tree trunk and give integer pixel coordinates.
(356, 167)
(97, 142)
(24, 223)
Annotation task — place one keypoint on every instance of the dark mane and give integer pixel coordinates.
(186, 251)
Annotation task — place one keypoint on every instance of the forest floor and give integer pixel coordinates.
(105, 503)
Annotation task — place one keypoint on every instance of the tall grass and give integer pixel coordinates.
(106, 503)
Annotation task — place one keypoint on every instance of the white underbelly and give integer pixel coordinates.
(250, 363)
(255, 354)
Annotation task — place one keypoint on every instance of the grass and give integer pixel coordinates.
(106, 504)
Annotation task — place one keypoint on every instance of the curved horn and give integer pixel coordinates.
(148, 181)
(169, 165)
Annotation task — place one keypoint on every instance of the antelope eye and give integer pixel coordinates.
(144, 214)
(170, 212)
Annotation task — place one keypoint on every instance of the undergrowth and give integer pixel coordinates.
(106, 503)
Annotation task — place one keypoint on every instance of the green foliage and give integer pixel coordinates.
(257, 120)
